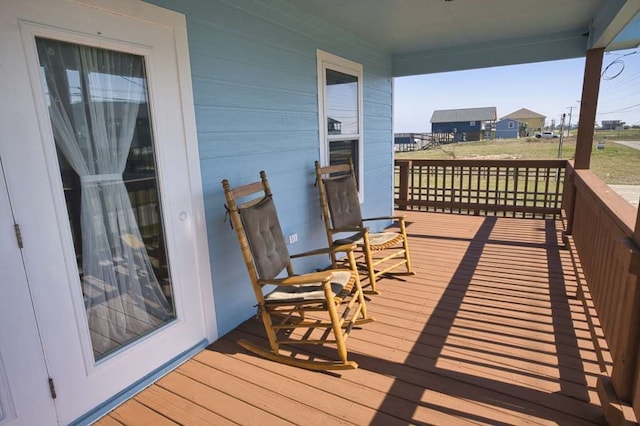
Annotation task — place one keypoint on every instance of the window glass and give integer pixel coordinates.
(341, 103)
(340, 152)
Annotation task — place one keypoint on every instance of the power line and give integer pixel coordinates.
(629, 95)
(619, 110)
(617, 62)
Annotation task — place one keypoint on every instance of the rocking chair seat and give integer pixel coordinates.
(341, 285)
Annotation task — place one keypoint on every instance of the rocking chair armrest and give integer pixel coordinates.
(324, 250)
(310, 278)
(344, 247)
(351, 229)
(400, 218)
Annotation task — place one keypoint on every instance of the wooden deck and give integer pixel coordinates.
(489, 331)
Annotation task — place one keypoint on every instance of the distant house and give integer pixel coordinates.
(334, 127)
(534, 121)
(612, 124)
(468, 124)
(403, 142)
(508, 128)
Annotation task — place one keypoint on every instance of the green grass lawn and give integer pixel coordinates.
(615, 164)
(619, 135)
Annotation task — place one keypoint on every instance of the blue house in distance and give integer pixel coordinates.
(468, 124)
(507, 128)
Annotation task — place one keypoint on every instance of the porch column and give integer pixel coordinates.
(403, 191)
(588, 106)
(636, 232)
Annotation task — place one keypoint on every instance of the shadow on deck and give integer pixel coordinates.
(489, 330)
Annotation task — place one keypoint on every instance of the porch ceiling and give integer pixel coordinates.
(438, 35)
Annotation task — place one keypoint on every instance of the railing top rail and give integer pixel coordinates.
(614, 205)
(540, 163)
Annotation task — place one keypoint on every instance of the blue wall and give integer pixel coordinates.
(255, 88)
(503, 131)
(460, 126)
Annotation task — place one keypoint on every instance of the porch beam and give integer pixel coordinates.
(524, 50)
(588, 106)
(611, 20)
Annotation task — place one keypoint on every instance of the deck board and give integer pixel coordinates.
(179, 409)
(488, 331)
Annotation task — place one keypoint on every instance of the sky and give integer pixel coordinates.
(549, 88)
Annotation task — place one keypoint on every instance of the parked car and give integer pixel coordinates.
(546, 135)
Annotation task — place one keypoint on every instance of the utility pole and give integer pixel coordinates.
(561, 136)
(560, 144)
(569, 125)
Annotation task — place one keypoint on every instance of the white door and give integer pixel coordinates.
(24, 392)
(102, 172)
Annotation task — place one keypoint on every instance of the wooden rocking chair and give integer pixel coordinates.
(324, 305)
(382, 253)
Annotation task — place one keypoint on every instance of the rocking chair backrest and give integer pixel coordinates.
(264, 234)
(253, 251)
(344, 204)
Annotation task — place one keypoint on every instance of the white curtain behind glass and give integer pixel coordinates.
(93, 125)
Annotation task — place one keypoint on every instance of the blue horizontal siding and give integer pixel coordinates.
(248, 143)
(253, 66)
(504, 131)
(460, 126)
(210, 119)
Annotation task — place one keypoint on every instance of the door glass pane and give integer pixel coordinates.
(341, 103)
(98, 104)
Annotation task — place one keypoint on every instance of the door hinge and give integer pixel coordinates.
(52, 388)
(16, 227)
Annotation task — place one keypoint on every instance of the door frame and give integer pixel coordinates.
(24, 393)
(192, 199)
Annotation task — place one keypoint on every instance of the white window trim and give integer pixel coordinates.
(326, 60)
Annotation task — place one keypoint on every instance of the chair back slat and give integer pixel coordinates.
(337, 168)
(248, 189)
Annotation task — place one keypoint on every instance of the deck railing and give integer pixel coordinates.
(605, 231)
(511, 188)
(601, 228)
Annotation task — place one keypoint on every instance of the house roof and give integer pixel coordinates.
(465, 114)
(425, 37)
(524, 113)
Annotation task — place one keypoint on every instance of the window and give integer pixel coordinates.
(511, 125)
(472, 123)
(340, 112)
